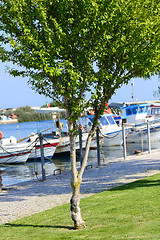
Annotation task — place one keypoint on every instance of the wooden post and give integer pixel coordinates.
(1, 171)
(80, 144)
(1, 181)
(124, 141)
(98, 146)
(42, 157)
(142, 140)
(149, 137)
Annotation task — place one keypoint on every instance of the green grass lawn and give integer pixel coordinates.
(131, 211)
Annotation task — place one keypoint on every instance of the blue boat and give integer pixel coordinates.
(137, 117)
(109, 129)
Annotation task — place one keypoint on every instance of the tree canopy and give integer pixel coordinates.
(68, 47)
(58, 42)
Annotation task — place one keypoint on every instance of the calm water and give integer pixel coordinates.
(24, 172)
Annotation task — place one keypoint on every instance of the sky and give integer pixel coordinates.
(15, 92)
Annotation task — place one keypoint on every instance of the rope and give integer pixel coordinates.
(60, 141)
(36, 172)
(133, 131)
(108, 136)
(155, 127)
(144, 129)
(27, 149)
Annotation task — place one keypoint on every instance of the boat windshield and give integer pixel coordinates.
(90, 121)
(141, 109)
(128, 111)
(146, 109)
(111, 120)
(104, 121)
(135, 109)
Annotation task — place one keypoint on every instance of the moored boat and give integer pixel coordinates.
(4, 119)
(137, 117)
(49, 147)
(64, 145)
(13, 156)
(109, 130)
(13, 152)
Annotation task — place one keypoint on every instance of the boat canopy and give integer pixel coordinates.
(155, 109)
(106, 119)
(136, 109)
(49, 110)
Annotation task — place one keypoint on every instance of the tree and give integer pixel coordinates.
(69, 47)
(27, 114)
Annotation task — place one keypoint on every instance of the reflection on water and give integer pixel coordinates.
(18, 173)
(24, 172)
(142, 146)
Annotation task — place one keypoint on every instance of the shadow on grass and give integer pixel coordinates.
(37, 226)
(138, 184)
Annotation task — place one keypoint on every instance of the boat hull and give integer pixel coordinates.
(140, 133)
(64, 145)
(8, 121)
(14, 157)
(49, 148)
(113, 139)
(21, 152)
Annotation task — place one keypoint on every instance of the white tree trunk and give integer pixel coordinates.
(75, 183)
(76, 178)
(75, 206)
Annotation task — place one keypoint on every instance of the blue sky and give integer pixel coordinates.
(14, 92)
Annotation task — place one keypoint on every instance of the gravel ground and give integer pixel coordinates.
(35, 196)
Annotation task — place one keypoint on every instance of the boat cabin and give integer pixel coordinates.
(154, 110)
(135, 113)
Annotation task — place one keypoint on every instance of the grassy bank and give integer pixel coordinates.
(128, 212)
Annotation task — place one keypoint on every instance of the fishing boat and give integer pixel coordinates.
(12, 152)
(13, 157)
(49, 147)
(64, 145)
(109, 129)
(61, 130)
(154, 110)
(137, 117)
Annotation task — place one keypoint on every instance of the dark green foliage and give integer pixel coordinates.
(27, 114)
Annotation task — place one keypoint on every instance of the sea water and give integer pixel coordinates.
(32, 170)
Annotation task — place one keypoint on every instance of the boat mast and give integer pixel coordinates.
(132, 84)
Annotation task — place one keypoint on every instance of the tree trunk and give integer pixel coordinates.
(76, 178)
(75, 206)
(75, 182)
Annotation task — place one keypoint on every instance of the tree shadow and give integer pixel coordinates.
(137, 184)
(36, 226)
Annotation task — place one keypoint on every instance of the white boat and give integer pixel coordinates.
(13, 152)
(137, 117)
(110, 132)
(49, 147)
(4, 119)
(64, 145)
(109, 129)
(154, 110)
(11, 155)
